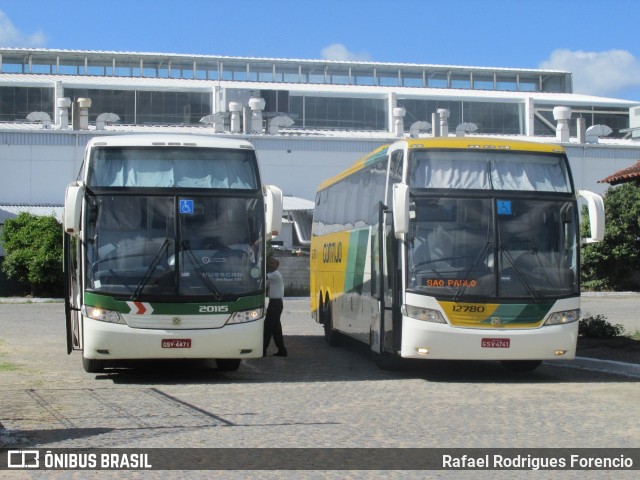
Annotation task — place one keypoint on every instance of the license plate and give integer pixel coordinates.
(176, 343)
(495, 343)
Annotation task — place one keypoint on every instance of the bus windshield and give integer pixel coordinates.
(504, 248)
(143, 246)
(174, 167)
(488, 169)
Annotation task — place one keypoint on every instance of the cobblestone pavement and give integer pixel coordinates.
(318, 397)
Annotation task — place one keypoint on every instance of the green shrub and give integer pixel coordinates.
(613, 263)
(33, 246)
(599, 327)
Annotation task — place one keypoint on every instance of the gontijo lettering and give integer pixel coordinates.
(332, 252)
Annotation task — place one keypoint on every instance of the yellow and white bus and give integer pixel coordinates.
(164, 250)
(453, 248)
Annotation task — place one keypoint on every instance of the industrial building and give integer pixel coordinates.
(308, 119)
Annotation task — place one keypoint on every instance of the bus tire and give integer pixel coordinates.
(330, 335)
(228, 364)
(521, 365)
(91, 365)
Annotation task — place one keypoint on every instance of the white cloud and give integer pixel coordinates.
(10, 36)
(337, 51)
(597, 73)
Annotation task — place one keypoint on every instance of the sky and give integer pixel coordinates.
(598, 41)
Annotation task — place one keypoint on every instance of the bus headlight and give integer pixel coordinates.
(559, 318)
(425, 314)
(246, 316)
(102, 315)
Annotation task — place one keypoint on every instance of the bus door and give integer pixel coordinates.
(386, 325)
(72, 293)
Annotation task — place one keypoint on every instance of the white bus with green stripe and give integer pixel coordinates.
(453, 248)
(164, 250)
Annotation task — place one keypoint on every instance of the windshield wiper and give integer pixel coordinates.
(198, 268)
(152, 266)
(519, 273)
(463, 285)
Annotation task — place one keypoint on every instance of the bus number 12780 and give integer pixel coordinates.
(468, 308)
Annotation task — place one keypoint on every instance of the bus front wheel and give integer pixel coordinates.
(521, 365)
(92, 366)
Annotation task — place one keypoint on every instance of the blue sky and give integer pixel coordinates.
(599, 41)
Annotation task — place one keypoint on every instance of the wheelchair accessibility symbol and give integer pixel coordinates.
(186, 207)
(504, 207)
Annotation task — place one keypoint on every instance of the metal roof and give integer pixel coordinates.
(296, 203)
(43, 52)
(12, 211)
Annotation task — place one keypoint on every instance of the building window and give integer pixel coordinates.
(120, 102)
(18, 102)
(437, 80)
(339, 112)
(146, 108)
(615, 118)
(172, 108)
(490, 117)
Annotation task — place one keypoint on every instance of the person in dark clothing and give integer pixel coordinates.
(272, 325)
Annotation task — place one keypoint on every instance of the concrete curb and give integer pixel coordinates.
(30, 300)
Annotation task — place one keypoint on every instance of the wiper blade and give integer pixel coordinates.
(521, 275)
(152, 266)
(198, 268)
(463, 285)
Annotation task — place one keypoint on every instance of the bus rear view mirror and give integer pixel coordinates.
(400, 209)
(273, 210)
(595, 205)
(73, 208)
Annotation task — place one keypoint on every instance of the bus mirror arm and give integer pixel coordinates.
(73, 199)
(400, 209)
(595, 205)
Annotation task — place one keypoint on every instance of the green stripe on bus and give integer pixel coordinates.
(356, 258)
(376, 156)
(161, 308)
(521, 313)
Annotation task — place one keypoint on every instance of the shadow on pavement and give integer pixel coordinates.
(312, 360)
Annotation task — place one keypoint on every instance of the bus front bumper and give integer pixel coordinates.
(426, 340)
(109, 341)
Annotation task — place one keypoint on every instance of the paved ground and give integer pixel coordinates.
(317, 397)
(619, 308)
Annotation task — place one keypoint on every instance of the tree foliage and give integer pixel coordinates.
(33, 249)
(614, 264)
